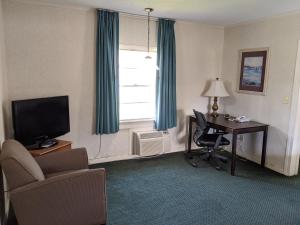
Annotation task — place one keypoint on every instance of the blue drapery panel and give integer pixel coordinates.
(166, 76)
(107, 73)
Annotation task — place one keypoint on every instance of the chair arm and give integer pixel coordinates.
(54, 162)
(77, 198)
(218, 141)
(220, 133)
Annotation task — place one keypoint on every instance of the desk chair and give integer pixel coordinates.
(208, 142)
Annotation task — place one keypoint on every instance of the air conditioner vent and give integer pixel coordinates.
(154, 134)
(149, 143)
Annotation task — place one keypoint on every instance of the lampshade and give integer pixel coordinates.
(216, 89)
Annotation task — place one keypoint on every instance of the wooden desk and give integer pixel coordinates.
(60, 146)
(235, 128)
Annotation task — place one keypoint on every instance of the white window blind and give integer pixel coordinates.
(137, 85)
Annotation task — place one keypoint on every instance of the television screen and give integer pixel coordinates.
(41, 117)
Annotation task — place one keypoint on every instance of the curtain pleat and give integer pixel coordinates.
(166, 113)
(107, 73)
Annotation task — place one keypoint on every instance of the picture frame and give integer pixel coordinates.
(253, 71)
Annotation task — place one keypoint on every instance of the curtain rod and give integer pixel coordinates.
(153, 18)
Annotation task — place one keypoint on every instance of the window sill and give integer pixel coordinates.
(138, 123)
(136, 120)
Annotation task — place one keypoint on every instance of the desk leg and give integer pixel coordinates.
(190, 137)
(2, 206)
(264, 147)
(233, 153)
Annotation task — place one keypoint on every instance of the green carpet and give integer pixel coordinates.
(168, 191)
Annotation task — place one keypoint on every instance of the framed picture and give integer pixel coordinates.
(253, 71)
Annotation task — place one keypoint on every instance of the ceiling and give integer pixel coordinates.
(217, 12)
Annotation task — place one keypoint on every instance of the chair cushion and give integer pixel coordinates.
(19, 167)
(210, 140)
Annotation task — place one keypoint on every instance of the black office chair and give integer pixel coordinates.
(208, 142)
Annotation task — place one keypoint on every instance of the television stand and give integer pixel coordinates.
(48, 143)
(60, 146)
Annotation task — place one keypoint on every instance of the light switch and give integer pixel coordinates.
(286, 100)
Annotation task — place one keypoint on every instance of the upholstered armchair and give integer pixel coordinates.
(54, 189)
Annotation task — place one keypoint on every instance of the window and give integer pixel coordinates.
(137, 85)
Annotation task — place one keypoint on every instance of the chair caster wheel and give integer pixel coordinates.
(189, 156)
(194, 165)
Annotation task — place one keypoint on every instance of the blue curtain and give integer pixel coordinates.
(107, 73)
(166, 76)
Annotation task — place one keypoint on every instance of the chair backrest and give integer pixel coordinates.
(200, 120)
(201, 124)
(19, 167)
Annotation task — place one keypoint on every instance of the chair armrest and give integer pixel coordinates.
(218, 141)
(72, 199)
(220, 133)
(54, 162)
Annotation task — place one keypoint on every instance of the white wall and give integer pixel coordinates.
(293, 144)
(51, 51)
(3, 199)
(2, 72)
(281, 35)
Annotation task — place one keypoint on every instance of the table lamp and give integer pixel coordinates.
(216, 90)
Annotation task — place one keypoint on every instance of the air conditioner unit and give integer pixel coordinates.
(149, 143)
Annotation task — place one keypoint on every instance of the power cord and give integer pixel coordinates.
(99, 150)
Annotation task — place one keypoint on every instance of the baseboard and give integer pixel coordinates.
(179, 148)
(257, 158)
(112, 159)
(128, 157)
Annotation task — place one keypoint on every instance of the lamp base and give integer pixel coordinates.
(215, 108)
(214, 114)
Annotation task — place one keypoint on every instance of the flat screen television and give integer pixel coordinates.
(40, 119)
